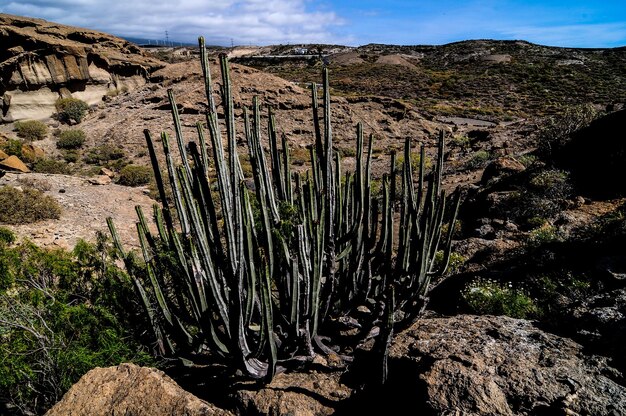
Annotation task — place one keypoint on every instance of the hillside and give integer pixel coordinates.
(496, 80)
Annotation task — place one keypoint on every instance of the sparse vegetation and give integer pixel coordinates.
(71, 139)
(103, 154)
(27, 206)
(13, 147)
(45, 165)
(133, 175)
(478, 160)
(488, 297)
(71, 109)
(31, 130)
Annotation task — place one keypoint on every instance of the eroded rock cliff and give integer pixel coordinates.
(41, 61)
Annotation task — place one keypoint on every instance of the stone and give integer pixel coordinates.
(100, 180)
(130, 390)
(13, 163)
(31, 153)
(487, 365)
(297, 394)
(3, 155)
(501, 166)
(107, 172)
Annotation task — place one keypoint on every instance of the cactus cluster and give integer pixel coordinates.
(264, 275)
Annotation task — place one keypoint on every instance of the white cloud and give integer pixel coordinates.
(243, 21)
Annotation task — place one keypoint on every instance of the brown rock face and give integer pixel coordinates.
(43, 59)
(14, 164)
(295, 394)
(481, 365)
(130, 390)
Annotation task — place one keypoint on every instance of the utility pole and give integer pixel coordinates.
(167, 38)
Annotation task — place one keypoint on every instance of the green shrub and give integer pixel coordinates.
(58, 167)
(27, 206)
(31, 130)
(104, 153)
(71, 109)
(133, 175)
(478, 160)
(62, 315)
(71, 156)
(13, 147)
(71, 139)
(6, 236)
(486, 297)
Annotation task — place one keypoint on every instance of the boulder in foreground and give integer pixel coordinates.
(130, 390)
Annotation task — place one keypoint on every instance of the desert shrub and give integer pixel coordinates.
(58, 167)
(544, 195)
(478, 160)
(133, 175)
(31, 130)
(27, 206)
(103, 154)
(71, 109)
(61, 314)
(556, 130)
(543, 235)
(71, 139)
(13, 147)
(6, 236)
(487, 297)
(71, 156)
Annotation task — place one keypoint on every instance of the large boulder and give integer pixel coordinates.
(488, 365)
(14, 164)
(43, 61)
(130, 390)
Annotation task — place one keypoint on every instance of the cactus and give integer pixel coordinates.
(262, 280)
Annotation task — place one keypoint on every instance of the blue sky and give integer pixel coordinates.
(558, 23)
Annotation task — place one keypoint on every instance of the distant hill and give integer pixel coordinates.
(497, 79)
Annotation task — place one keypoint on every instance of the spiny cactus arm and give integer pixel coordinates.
(163, 342)
(179, 131)
(206, 72)
(158, 178)
(266, 302)
(206, 203)
(219, 287)
(178, 200)
(164, 234)
(264, 171)
(287, 182)
(447, 250)
(263, 187)
(202, 143)
(277, 174)
(319, 146)
(156, 287)
(224, 186)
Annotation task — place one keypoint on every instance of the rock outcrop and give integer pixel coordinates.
(461, 365)
(130, 390)
(42, 61)
(487, 365)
